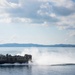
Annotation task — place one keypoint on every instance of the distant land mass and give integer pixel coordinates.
(35, 45)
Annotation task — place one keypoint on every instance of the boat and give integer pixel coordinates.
(9, 59)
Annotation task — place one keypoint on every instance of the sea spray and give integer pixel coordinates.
(49, 57)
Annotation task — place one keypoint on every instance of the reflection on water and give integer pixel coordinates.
(15, 70)
(37, 70)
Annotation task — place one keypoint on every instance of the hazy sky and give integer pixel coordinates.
(37, 21)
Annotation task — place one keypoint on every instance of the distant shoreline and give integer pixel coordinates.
(34, 45)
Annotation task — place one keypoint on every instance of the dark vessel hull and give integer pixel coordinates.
(8, 59)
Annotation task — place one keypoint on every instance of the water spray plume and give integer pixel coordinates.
(45, 57)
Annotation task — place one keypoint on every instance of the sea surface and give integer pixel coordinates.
(46, 61)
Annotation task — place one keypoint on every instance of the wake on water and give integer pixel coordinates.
(45, 57)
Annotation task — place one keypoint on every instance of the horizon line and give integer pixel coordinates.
(41, 44)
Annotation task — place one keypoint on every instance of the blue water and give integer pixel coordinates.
(37, 70)
(43, 59)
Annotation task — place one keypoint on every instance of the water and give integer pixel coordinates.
(38, 70)
(46, 61)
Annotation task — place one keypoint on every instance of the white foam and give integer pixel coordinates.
(46, 57)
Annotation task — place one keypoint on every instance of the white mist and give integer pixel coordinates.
(45, 57)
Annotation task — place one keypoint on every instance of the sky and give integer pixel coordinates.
(37, 21)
